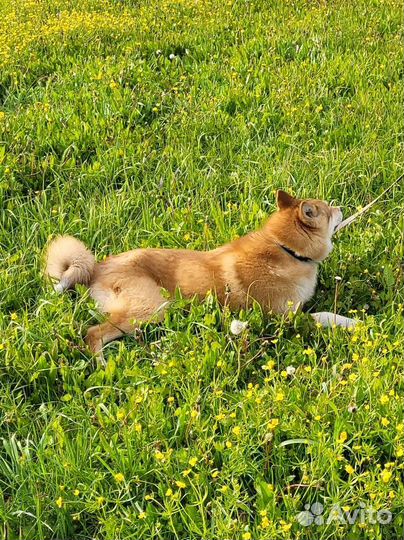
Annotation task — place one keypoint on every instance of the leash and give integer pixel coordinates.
(352, 218)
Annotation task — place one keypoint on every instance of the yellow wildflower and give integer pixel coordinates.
(181, 485)
(345, 366)
(343, 437)
(386, 476)
(349, 469)
(119, 477)
(285, 526)
(265, 522)
(59, 502)
(269, 365)
(273, 423)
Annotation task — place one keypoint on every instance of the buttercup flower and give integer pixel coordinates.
(386, 475)
(269, 365)
(343, 437)
(273, 423)
(181, 485)
(119, 477)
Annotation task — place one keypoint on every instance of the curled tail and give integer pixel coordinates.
(69, 261)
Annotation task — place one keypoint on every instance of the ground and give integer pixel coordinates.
(172, 123)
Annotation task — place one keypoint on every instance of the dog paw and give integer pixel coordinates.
(326, 318)
(93, 341)
(59, 287)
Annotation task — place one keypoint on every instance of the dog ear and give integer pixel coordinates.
(307, 211)
(284, 200)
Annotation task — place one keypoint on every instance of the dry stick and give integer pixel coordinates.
(352, 218)
(344, 321)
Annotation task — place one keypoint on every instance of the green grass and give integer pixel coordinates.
(105, 137)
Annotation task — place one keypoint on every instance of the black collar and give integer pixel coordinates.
(295, 255)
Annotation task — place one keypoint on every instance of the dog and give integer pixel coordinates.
(275, 266)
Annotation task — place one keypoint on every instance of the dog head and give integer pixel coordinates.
(307, 225)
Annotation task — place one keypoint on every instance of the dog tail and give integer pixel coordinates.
(69, 261)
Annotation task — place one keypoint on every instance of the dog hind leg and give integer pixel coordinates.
(115, 327)
(141, 303)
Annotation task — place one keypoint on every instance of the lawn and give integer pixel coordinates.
(172, 123)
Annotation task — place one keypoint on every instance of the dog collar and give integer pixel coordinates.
(295, 255)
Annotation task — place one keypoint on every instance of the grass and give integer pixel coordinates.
(172, 123)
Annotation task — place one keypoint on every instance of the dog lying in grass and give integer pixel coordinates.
(275, 266)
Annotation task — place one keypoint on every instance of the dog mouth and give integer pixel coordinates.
(339, 219)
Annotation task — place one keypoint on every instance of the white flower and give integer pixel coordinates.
(290, 370)
(237, 327)
(172, 56)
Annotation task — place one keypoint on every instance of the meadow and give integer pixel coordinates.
(171, 123)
